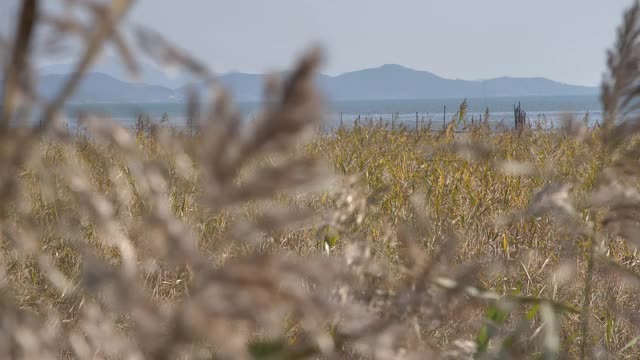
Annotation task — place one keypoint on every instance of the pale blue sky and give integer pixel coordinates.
(563, 40)
(471, 39)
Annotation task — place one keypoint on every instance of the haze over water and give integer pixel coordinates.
(404, 111)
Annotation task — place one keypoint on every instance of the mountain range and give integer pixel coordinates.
(387, 82)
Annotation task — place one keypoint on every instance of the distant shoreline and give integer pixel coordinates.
(432, 105)
(403, 111)
(354, 100)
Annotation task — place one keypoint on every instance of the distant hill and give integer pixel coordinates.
(99, 88)
(388, 82)
(149, 73)
(395, 82)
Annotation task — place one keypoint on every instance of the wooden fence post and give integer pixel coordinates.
(444, 118)
(519, 116)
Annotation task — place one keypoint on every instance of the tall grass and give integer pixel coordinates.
(271, 240)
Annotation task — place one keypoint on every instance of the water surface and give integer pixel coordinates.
(437, 111)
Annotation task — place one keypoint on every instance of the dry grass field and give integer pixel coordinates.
(271, 240)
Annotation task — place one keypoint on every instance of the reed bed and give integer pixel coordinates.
(272, 240)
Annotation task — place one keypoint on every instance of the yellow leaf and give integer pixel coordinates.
(505, 243)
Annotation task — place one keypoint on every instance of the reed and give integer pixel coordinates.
(272, 240)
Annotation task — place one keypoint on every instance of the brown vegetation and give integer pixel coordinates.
(269, 240)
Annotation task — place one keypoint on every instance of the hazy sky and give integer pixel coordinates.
(563, 40)
(471, 39)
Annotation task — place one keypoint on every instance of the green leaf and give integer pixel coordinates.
(494, 316)
(331, 237)
(266, 349)
(533, 311)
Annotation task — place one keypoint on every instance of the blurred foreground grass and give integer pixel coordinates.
(389, 175)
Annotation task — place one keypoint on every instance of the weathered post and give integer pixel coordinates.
(444, 118)
(520, 117)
